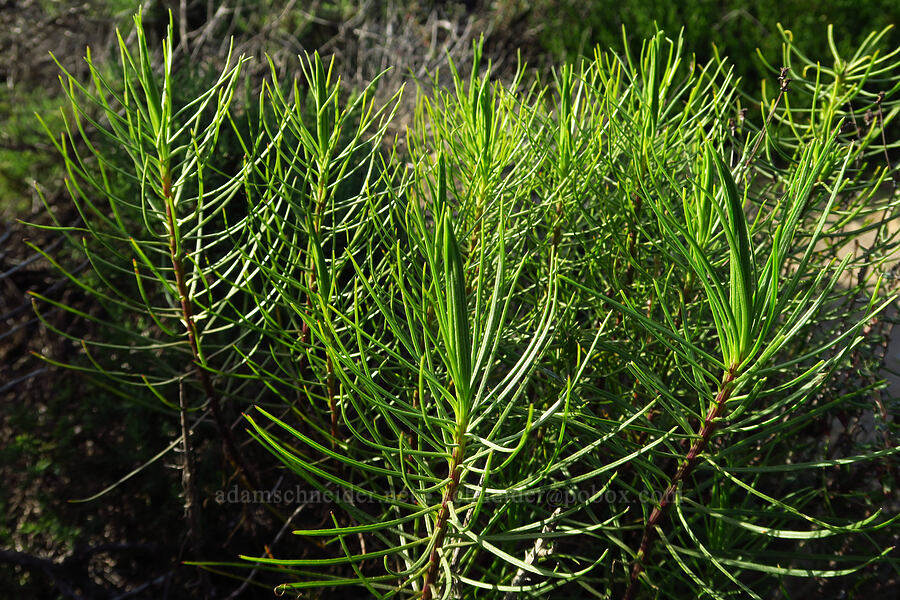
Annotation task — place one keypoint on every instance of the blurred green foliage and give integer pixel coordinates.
(737, 29)
(25, 155)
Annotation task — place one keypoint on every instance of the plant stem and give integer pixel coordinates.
(440, 529)
(540, 549)
(187, 313)
(684, 469)
(632, 240)
(879, 120)
(191, 502)
(187, 473)
(784, 82)
(332, 394)
(321, 199)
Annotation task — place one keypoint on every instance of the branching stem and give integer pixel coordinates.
(784, 82)
(440, 528)
(684, 469)
(187, 314)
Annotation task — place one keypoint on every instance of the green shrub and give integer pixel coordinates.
(583, 334)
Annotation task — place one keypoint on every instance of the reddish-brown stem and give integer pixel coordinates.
(440, 528)
(684, 469)
(187, 313)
